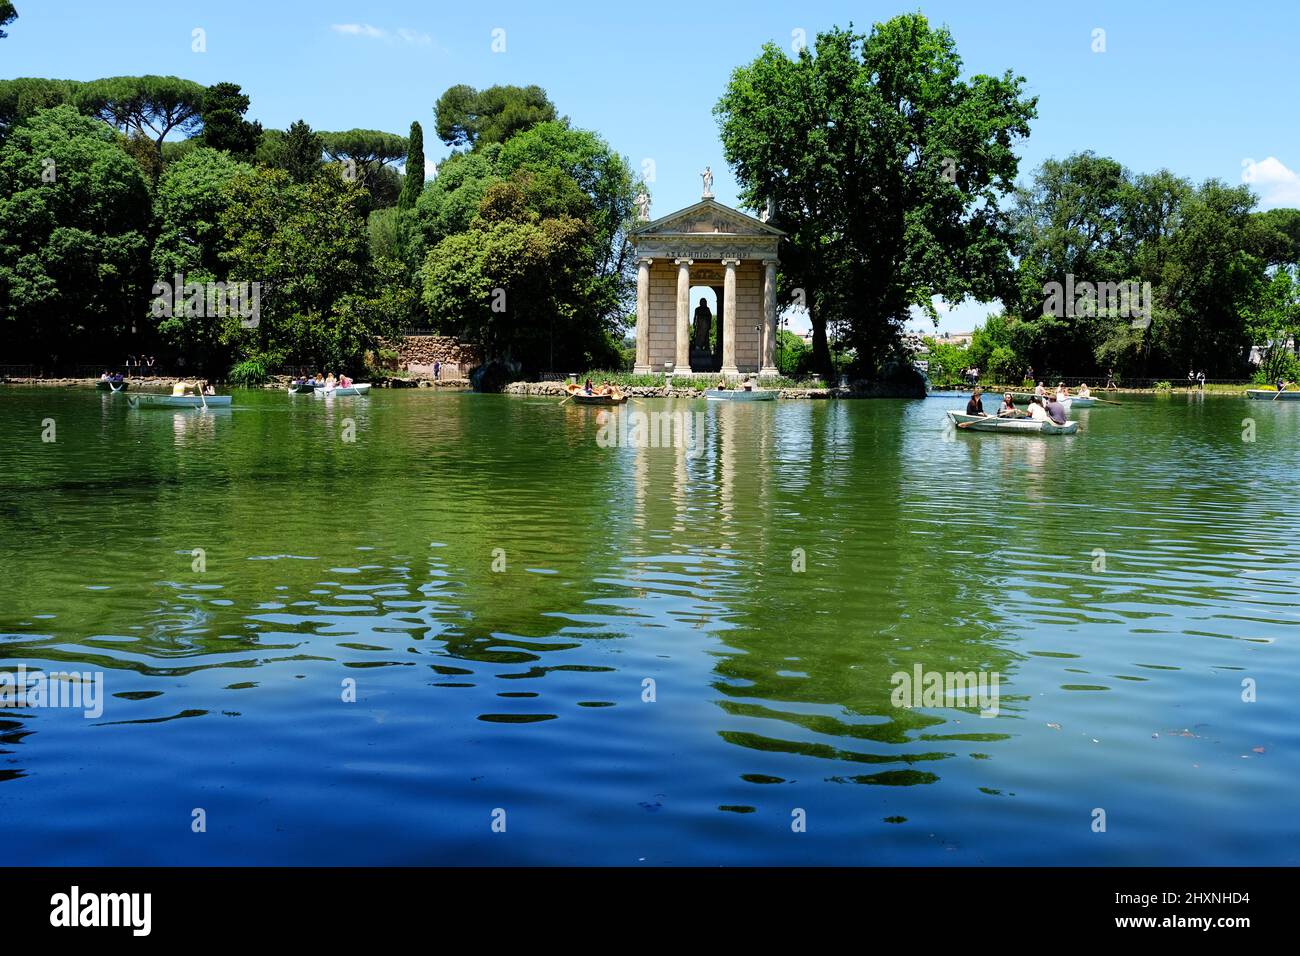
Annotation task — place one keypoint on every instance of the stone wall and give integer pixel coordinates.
(417, 354)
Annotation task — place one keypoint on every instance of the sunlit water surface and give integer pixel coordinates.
(505, 594)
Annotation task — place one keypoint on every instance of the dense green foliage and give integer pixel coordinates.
(885, 168)
(524, 247)
(890, 172)
(224, 126)
(474, 118)
(74, 236)
(7, 16)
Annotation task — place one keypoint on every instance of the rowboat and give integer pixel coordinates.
(739, 395)
(1272, 395)
(1020, 425)
(1074, 401)
(361, 388)
(304, 388)
(580, 397)
(108, 385)
(153, 400)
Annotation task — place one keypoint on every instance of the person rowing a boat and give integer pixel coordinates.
(1039, 391)
(180, 387)
(1281, 384)
(1008, 409)
(1084, 391)
(344, 381)
(1055, 411)
(976, 404)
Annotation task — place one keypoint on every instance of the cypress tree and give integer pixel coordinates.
(413, 184)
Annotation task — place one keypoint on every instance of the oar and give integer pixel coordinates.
(1105, 401)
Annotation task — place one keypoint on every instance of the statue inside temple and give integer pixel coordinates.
(703, 326)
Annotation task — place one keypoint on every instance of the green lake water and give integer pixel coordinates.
(502, 594)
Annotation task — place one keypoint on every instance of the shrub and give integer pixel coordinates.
(249, 373)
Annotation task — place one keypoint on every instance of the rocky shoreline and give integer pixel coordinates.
(281, 382)
(856, 390)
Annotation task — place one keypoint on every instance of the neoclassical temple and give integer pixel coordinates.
(720, 248)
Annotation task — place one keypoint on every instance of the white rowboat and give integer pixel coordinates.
(1272, 395)
(361, 388)
(1024, 426)
(178, 401)
(739, 395)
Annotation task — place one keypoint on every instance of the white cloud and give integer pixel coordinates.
(1273, 181)
(402, 34)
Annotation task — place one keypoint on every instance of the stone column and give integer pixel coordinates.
(729, 319)
(683, 364)
(642, 366)
(769, 319)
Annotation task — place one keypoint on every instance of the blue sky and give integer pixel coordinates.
(1204, 89)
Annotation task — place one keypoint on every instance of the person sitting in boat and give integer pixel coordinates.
(1039, 391)
(344, 381)
(1062, 393)
(1282, 384)
(1084, 391)
(319, 380)
(330, 381)
(1036, 410)
(1008, 408)
(104, 376)
(589, 388)
(208, 389)
(1055, 411)
(976, 404)
(180, 388)
(748, 383)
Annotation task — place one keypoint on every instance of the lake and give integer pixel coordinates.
(423, 628)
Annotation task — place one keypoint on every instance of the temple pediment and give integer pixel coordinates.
(708, 217)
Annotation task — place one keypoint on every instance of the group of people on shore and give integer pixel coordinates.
(1042, 407)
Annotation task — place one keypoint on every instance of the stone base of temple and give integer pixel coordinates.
(769, 371)
(730, 371)
(643, 370)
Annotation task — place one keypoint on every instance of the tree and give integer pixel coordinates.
(413, 183)
(74, 221)
(7, 16)
(224, 126)
(367, 150)
(1275, 326)
(792, 354)
(149, 105)
(22, 97)
(469, 117)
(297, 151)
(190, 204)
(1212, 279)
(886, 170)
(308, 245)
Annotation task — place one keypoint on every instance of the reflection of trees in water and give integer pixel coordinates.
(12, 732)
(876, 599)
